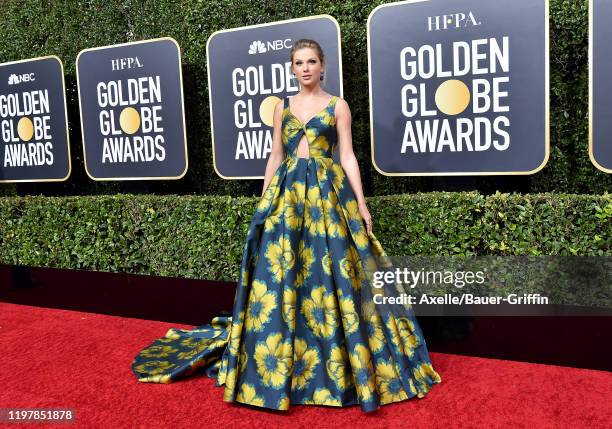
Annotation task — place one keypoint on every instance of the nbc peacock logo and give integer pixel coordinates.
(257, 47)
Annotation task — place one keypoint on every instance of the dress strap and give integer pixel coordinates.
(332, 104)
(286, 102)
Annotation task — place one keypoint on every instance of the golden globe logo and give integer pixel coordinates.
(129, 106)
(480, 95)
(25, 126)
(254, 141)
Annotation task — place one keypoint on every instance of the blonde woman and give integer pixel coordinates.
(304, 328)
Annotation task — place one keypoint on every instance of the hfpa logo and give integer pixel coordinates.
(16, 79)
(453, 20)
(259, 47)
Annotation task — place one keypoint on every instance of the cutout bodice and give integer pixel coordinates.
(320, 131)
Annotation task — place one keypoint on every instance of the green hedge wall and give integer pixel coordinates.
(203, 236)
(63, 28)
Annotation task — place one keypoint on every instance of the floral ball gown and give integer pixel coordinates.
(304, 327)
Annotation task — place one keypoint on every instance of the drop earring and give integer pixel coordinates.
(322, 75)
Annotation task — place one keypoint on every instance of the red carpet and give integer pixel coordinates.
(59, 358)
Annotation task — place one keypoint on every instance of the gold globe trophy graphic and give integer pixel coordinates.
(452, 97)
(266, 110)
(25, 129)
(129, 120)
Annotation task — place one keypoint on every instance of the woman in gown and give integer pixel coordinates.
(304, 327)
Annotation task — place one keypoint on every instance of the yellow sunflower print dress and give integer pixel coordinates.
(304, 327)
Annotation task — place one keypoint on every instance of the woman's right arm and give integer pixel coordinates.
(278, 153)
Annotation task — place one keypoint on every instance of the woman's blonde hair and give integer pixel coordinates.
(308, 43)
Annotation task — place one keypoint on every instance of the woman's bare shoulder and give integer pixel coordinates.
(342, 106)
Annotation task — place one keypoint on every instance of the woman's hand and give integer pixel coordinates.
(365, 214)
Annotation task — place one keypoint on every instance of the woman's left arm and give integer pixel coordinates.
(348, 159)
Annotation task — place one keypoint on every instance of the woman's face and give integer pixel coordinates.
(307, 67)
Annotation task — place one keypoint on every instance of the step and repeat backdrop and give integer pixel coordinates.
(455, 88)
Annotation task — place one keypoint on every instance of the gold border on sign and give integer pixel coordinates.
(468, 173)
(180, 69)
(591, 155)
(65, 119)
(246, 27)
